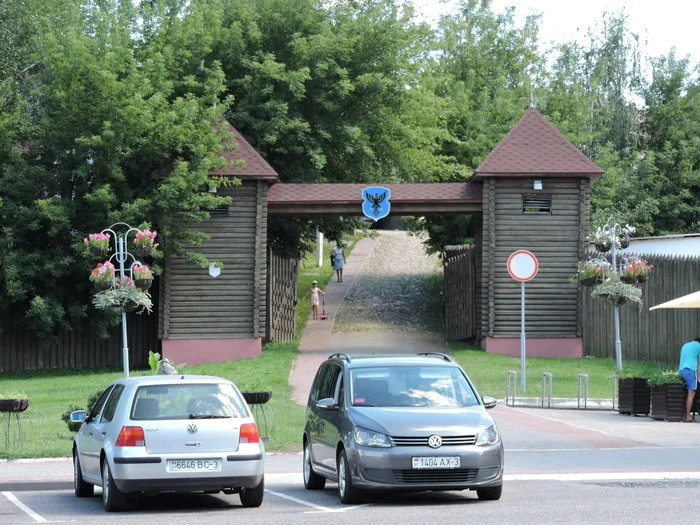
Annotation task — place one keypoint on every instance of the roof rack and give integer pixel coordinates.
(346, 356)
(444, 356)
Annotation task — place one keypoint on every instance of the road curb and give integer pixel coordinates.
(38, 485)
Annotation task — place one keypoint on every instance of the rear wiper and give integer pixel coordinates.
(208, 416)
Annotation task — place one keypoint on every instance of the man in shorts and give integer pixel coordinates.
(688, 370)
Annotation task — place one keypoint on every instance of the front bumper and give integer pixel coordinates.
(391, 468)
(148, 473)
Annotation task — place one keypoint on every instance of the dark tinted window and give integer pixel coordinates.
(188, 401)
(100, 403)
(112, 402)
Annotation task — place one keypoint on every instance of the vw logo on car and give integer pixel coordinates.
(192, 428)
(434, 441)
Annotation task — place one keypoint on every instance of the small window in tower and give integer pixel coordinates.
(537, 204)
(219, 211)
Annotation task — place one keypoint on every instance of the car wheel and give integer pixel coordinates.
(113, 499)
(253, 497)
(312, 481)
(490, 493)
(82, 489)
(346, 490)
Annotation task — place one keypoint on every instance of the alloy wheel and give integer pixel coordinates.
(105, 482)
(307, 463)
(341, 476)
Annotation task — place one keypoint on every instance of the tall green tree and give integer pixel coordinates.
(99, 118)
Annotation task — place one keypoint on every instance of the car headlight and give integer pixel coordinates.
(368, 438)
(488, 436)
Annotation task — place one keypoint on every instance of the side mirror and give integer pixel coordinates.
(79, 416)
(327, 404)
(489, 402)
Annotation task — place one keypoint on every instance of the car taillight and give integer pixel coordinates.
(131, 437)
(249, 433)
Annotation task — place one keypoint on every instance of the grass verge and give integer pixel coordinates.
(488, 371)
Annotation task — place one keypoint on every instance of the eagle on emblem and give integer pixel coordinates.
(376, 201)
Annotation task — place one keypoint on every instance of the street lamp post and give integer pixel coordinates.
(121, 256)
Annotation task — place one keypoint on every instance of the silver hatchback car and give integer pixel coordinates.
(169, 433)
(400, 423)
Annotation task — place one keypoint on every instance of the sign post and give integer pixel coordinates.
(522, 266)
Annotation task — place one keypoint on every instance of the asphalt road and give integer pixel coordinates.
(561, 467)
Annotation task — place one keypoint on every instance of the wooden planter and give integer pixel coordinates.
(633, 396)
(667, 402)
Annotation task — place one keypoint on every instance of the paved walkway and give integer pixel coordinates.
(314, 347)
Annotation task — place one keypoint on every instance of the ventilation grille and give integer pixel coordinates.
(435, 477)
(537, 204)
(219, 211)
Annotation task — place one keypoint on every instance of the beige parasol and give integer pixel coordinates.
(687, 301)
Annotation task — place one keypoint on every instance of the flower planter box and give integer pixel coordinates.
(667, 402)
(257, 398)
(14, 405)
(633, 396)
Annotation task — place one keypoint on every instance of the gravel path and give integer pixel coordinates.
(398, 290)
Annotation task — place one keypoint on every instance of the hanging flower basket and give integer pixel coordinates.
(589, 281)
(624, 243)
(143, 251)
(14, 405)
(130, 306)
(629, 279)
(145, 243)
(642, 278)
(603, 247)
(101, 286)
(616, 293)
(123, 297)
(99, 252)
(143, 284)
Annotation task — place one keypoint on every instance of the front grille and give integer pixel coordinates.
(423, 441)
(436, 476)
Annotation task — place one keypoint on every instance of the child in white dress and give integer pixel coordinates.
(315, 292)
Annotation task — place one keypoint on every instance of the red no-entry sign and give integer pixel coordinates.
(522, 266)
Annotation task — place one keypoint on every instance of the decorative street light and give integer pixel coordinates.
(129, 292)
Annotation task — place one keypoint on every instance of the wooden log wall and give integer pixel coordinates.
(282, 298)
(233, 305)
(555, 239)
(460, 292)
(22, 350)
(647, 335)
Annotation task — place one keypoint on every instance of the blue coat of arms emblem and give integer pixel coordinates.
(375, 202)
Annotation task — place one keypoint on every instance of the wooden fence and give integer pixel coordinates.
(647, 335)
(460, 292)
(21, 349)
(281, 298)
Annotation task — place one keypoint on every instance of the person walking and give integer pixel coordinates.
(688, 370)
(315, 293)
(338, 261)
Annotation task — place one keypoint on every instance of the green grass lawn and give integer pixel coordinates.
(488, 372)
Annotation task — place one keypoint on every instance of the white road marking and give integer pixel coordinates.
(300, 501)
(21, 506)
(530, 413)
(604, 476)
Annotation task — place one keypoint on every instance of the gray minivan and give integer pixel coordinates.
(400, 423)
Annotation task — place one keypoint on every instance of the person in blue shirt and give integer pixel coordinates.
(688, 370)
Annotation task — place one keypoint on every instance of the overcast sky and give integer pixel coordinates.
(662, 24)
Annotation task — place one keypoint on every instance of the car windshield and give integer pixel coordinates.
(187, 401)
(411, 386)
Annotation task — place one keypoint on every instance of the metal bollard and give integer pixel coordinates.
(514, 375)
(585, 387)
(615, 379)
(545, 376)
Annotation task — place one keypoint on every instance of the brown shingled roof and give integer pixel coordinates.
(255, 166)
(535, 146)
(352, 193)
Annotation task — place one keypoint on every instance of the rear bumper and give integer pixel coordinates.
(149, 473)
(186, 484)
